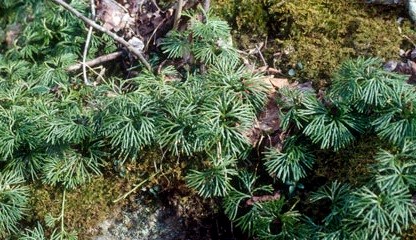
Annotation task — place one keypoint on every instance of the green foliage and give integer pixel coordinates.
(37, 233)
(331, 124)
(69, 169)
(215, 180)
(338, 194)
(381, 209)
(363, 213)
(264, 218)
(364, 84)
(291, 102)
(290, 164)
(263, 213)
(397, 121)
(382, 95)
(381, 213)
(13, 202)
(245, 190)
(207, 41)
(226, 118)
(128, 121)
(179, 127)
(201, 103)
(230, 76)
(396, 171)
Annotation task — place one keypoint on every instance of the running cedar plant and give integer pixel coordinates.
(291, 164)
(206, 41)
(57, 131)
(14, 200)
(381, 209)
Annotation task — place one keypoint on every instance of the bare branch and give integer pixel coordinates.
(206, 5)
(96, 61)
(104, 30)
(178, 14)
(87, 43)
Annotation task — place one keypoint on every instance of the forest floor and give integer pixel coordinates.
(304, 41)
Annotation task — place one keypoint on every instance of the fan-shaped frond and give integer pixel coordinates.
(178, 128)
(395, 171)
(214, 181)
(290, 103)
(338, 194)
(228, 75)
(245, 190)
(176, 45)
(363, 83)
(69, 169)
(14, 199)
(378, 213)
(226, 118)
(291, 164)
(397, 121)
(332, 124)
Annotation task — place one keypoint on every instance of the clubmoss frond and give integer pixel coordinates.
(396, 122)
(332, 125)
(291, 164)
(69, 169)
(215, 180)
(13, 202)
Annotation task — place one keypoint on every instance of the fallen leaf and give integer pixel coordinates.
(279, 82)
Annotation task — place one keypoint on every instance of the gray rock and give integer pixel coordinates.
(411, 7)
(386, 2)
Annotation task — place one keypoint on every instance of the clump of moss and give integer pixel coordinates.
(90, 204)
(318, 34)
(245, 15)
(350, 165)
(85, 207)
(410, 233)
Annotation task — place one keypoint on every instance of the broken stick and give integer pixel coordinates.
(106, 31)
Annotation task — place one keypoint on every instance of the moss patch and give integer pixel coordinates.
(317, 34)
(349, 165)
(92, 203)
(85, 206)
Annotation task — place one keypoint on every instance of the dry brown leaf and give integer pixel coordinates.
(278, 82)
(12, 32)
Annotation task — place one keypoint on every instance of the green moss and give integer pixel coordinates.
(85, 207)
(349, 165)
(92, 203)
(319, 34)
(410, 233)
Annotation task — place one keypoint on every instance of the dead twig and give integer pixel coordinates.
(96, 61)
(104, 30)
(87, 43)
(261, 55)
(178, 14)
(404, 35)
(206, 5)
(135, 188)
(154, 33)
